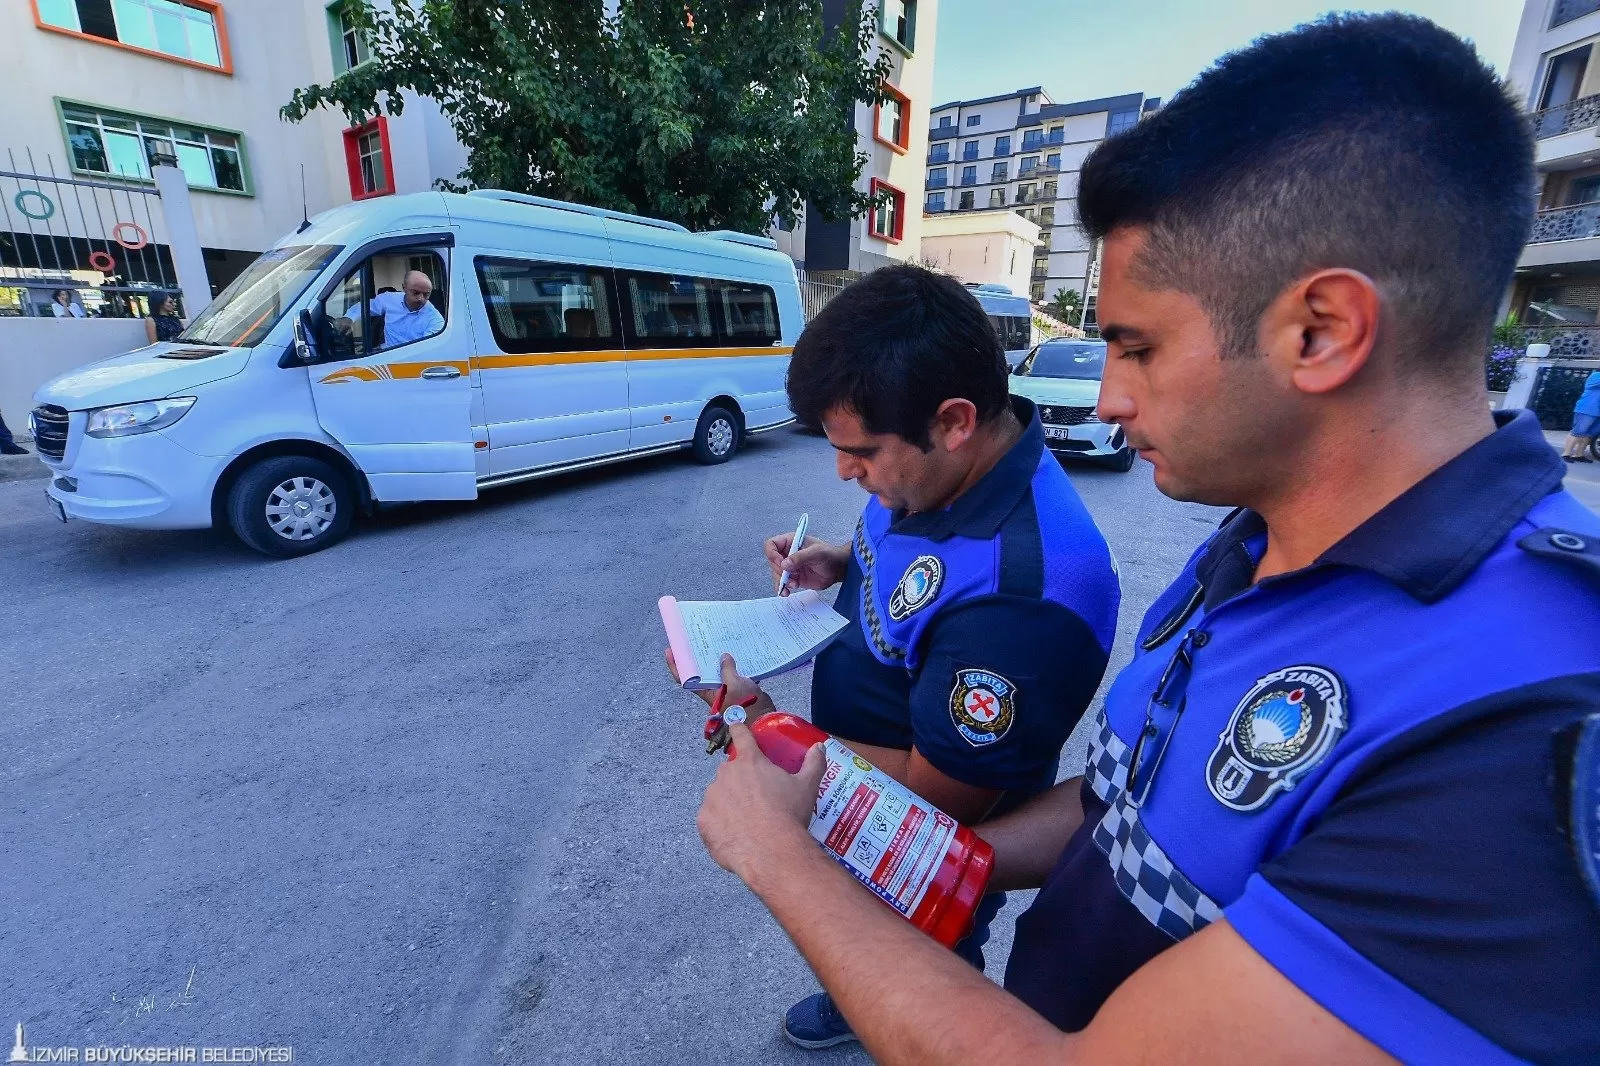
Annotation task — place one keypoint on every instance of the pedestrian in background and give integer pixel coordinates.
(8, 444)
(62, 305)
(163, 323)
(1585, 421)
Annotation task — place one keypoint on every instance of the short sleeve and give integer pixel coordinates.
(1002, 682)
(1437, 907)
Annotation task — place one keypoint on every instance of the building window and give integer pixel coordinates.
(1048, 192)
(1119, 121)
(1047, 217)
(368, 159)
(889, 214)
(1044, 243)
(897, 20)
(965, 203)
(997, 197)
(935, 202)
(1036, 292)
(939, 153)
(1027, 164)
(350, 48)
(1053, 160)
(1002, 145)
(999, 172)
(191, 31)
(1025, 193)
(969, 175)
(973, 120)
(1056, 134)
(945, 122)
(889, 119)
(1031, 141)
(969, 150)
(115, 142)
(938, 179)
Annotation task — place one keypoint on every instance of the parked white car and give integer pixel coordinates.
(427, 347)
(1062, 376)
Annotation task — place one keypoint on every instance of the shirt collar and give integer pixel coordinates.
(1434, 534)
(980, 511)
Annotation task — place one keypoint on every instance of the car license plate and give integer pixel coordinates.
(55, 506)
(1057, 432)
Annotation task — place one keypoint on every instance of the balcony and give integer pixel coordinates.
(939, 181)
(1580, 114)
(970, 152)
(1568, 10)
(1564, 235)
(939, 157)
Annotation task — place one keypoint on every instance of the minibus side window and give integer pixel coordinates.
(749, 312)
(670, 310)
(371, 309)
(547, 307)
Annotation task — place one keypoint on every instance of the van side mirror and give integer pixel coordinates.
(305, 338)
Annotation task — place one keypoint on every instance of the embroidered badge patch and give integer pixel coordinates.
(982, 706)
(918, 586)
(1585, 797)
(1285, 725)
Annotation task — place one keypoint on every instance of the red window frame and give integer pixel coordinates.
(352, 158)
(904, 143)
(899, 199)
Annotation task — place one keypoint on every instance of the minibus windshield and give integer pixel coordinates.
(246, 311)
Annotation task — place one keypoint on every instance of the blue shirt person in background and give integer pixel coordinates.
(1585, 421)
(407, 316)
(982, 597)
(1344, 803)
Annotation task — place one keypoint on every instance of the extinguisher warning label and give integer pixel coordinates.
(878, 829)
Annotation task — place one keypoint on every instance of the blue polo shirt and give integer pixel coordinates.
(979, 633)
(1356, 765)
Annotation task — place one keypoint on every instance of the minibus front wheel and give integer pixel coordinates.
(290, 505)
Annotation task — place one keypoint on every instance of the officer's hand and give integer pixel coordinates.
(740, 687)
(752, 807)
(817, 565)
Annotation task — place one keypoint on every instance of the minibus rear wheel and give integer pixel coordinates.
(291, 505)
(716, 438)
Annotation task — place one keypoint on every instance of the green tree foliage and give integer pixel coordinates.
(1065, 304)
(703, 113)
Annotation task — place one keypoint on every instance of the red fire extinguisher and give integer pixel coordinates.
(907, 852)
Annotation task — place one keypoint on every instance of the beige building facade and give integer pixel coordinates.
(993, 247)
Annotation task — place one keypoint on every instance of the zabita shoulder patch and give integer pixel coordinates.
(1285, 725)
(982, 705)
(917, 588)
(1583, 796)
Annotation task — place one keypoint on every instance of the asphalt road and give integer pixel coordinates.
(427, 797)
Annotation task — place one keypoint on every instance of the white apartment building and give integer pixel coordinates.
(894, 136)
(99, 88)
(1555, 74)
(1023, 150)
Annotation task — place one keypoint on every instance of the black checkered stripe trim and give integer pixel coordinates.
(1146, 877)
(869, 567)
(1107, 768)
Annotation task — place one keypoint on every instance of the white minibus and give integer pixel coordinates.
(426, 347)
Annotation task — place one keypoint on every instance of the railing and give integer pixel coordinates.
(1566, 342)
(1579, 114)
(817, 288)
(940, 182)
(938, 157)
(1566, 224)
(1567, 10)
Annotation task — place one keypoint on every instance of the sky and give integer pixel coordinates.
(1084, 49)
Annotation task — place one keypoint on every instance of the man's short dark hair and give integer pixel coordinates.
(1379, 143)
(894, 346)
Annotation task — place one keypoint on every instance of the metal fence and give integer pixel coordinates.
(102, 240)
(1555, 390)
(1576, 114)
(1566, 342)
(818, 287)
(1566, 224)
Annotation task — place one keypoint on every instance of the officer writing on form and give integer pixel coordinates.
(982, 598)
(1341, 804)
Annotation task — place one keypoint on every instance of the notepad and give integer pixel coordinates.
(765, 637)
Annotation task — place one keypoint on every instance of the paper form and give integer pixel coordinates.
(766, 637)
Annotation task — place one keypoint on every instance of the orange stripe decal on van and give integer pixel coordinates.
(497, 361)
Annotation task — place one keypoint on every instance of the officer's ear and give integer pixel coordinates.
(954, 423)
(1321, 330)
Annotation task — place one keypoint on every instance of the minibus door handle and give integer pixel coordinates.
(441, 373)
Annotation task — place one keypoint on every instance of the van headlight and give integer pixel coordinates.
(146, 417)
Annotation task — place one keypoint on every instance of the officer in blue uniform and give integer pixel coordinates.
(1344, 803)
(983, 599)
